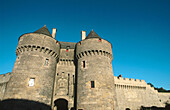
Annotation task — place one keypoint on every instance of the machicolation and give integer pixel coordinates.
(54, 75)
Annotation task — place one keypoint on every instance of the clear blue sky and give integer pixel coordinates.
(139, 31)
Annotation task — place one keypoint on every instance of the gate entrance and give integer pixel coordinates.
(61, 104)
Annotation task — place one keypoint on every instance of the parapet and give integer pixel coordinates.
(131, 81)
(37, 42)
(5, 77)
(93, 47)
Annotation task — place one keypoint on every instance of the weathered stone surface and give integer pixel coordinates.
(77, 75)
(97, 57)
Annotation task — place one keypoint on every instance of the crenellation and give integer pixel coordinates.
(66, 62)
(80, 73)
(127, 79)
(131, 79)
(137, 80)
(143, 81)
(2, 75)
(5, 77)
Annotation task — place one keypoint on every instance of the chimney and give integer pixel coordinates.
(54, 32)
(83, 35)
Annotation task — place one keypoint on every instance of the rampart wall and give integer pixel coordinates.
(133, 94)
(164, 97)
(4, 78)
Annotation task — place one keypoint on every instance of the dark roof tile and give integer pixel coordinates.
(43, 30)
(92, 34)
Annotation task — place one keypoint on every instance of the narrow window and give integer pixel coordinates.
(31, 82)
(100, 40)
(84, 65)
(92, 84)
(46, 62)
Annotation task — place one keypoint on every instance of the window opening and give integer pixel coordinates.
(31, 82)
(92, 84)
(100, 40)
(46, 62)
(84, 65)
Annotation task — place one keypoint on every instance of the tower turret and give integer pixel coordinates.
(95, 82)
(35, 67)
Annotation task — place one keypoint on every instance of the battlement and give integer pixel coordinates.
(94, 52)
(5, 77)
(131, 83)
(66, 62)
(45, 50)
(131, 79)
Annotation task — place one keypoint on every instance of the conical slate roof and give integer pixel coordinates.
(43, 30)
(92, 34)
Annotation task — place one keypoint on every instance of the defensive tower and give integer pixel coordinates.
(35, 67)
(52, 75)
(95, 83)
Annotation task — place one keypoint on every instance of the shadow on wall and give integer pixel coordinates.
(167, 107)
(21, 104)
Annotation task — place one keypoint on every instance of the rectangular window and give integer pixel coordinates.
(31, 82)
(46, 62)
(84, 65)
(92, 84)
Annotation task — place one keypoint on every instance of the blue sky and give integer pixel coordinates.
(139, 31)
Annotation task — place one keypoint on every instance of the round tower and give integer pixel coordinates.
(95, 81)
(35, 67)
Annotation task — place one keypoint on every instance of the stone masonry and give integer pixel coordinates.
(53, 75)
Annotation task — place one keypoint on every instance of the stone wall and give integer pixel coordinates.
(95, 75)
(136, 93)
(36, 61)
(4, 78)
(164, 97)
(65, 75)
